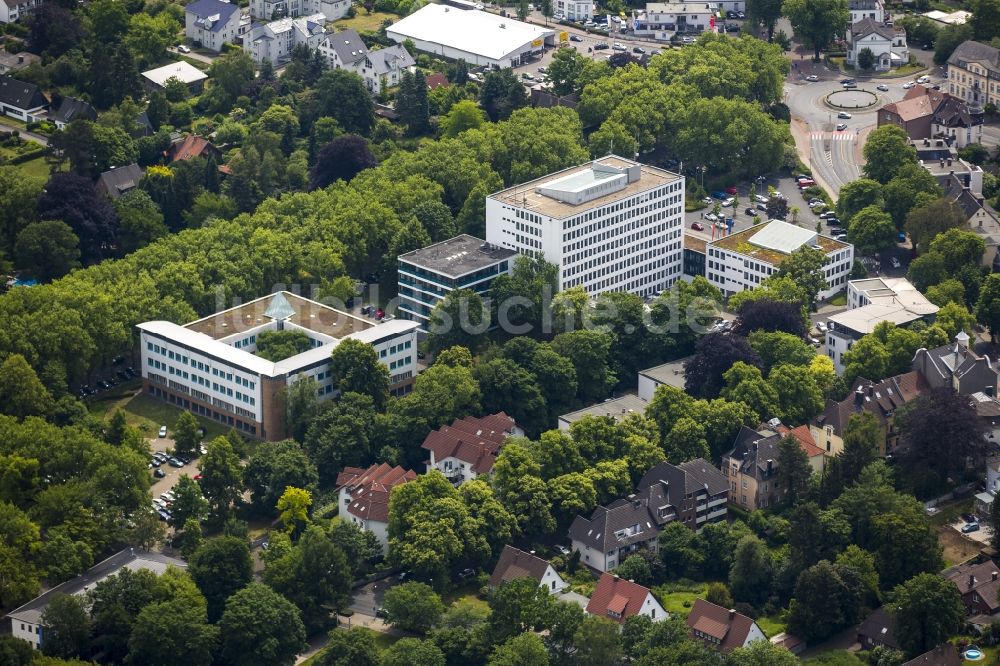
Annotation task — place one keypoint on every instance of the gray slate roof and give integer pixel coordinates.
(348, 46)
(20, 94)
(71, 109)
(205, 9)
(755, 448)
(979, 52)
(120, 180)
(388, 60)
(867, 26)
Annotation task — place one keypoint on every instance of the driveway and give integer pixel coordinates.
(982, 535)
(194, 55)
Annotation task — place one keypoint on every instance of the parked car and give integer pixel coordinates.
(728, 201)
(708, 201)
(711, 217)
(760, 198)
(732, 27)
(741, 15)
(750, 211)
(720, 195)
(970, 527)
(541, 70)
(563, 549)
(882, 87)
(184, 48)
(697, 226)
(599, 46)
(901, 237)
(833, 222)
(731, 190)
(175, 462)
(618, 47)
(969, 518)
(806, 182)
(762, 207)
(159, 473)
(827, 215)
(381, 613)
(527, 76)
(895, 262)
(821, 327)
(163, 431)
(466, 574)
(638, 49)
(845, 115)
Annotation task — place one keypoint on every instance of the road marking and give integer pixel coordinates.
(831, 136)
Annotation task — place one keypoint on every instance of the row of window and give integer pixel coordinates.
(246, 342)
(631, 221)
(395, 348)
(198, 365)
(635, 253)
(647, 271)
(591, 247)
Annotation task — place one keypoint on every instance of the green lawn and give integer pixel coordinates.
(143, 412)
(382, 641)
(36, 168)
(840, 299)
(834, 658)
(674, 601)
(364, 21)
(771, 626)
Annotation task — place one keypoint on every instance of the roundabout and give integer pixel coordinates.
(855, 100)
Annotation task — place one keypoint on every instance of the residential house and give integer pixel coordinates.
(18, 10)
(945, 654)
(974, 74)
(271, 10)
(879, 398)
(802, 434)
(958, 366)
(119, 180)
(866, 9)
(693, 493)
(941, 160)
(575, 10)
(914, 115)
(956, 121)
(887, 43)
(515, 563)
(21, 100)
(617, 599)
(190, 147)
(11, 62)
(364, 497)
(878, 629)
(276, 40)
(751, 469)
(721, 628)
(871, 302)
(212, 23)
(26, 621)
(436, 80)
(182, 70)
(468, 447)
(381, 68)
(978, 584)
(65, 110)
(925, 113)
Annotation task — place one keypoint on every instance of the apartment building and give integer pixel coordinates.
(276, 40)
(213, 23)
(271, 10)
(870, 9)
(381, 68)
(663, 20)
(426, 276)
(210, 366)
(609, 225)
(467, 448)
(575, 10)
(743, 260)
(974, 74)
(18, 10)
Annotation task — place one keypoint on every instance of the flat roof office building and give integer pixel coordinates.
(429, 274)
(210, 366)
(609, 225)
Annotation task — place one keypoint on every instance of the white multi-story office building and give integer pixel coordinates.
(429, 274)
(210, 366)
(609, 225)
(743, 260)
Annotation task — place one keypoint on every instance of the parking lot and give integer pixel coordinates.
(171, 474)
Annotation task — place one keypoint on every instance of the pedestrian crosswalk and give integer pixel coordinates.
(832, 136)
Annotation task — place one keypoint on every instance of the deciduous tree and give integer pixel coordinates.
(927, 610)
(260, 626)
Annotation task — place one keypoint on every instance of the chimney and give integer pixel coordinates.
(994, 575)
(732, 613)
(859, 396)
(770, 466)
(972, 581)
(615, 577)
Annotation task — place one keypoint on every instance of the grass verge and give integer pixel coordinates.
(143, 412)
(363, 21)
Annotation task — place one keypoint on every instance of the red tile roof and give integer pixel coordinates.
(805, 438)
(369, 489)
(729, 628)
(616, 595)
(437, 80)
(475, 441)
(192, 146)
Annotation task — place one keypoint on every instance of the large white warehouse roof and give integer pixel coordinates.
(468, 30)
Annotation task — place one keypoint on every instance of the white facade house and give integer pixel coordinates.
(212, 23)
(21, 100)
(662, 20)
(515, 563)
(363, 497)
(612, 224)
(478, 37)
(870, 302)
(210, 366)
(270, 10)
(575, 10)
(275, 41)
(887, 44)
(379, 68)
(26, 621)
(743, 260)
(17, 10)
(866, 9)
(428, 275)
(617, 599)
(467, 449)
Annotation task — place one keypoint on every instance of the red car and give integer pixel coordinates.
(806, 182)
(731, 190)
(697, 226)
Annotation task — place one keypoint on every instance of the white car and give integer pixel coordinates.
(844, 115)
(924, 79)
(183, 48)
(882, 87)
(163, 431)
(728, 202)
(760, 198)
(821, 327)
(711, 217)
(708, 201)
(895, 262)
(841, 127)
(812, 77)
(908, 85)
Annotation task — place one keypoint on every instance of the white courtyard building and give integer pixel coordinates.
(609, 225)
(276, 40)
(210, 366)
(270, 10)
(478, 37)
(743, 260)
